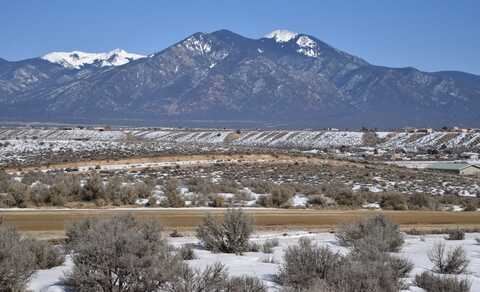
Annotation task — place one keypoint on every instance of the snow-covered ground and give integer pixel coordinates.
(259, 264)
(276, 138)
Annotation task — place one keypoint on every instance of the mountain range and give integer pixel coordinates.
(223, 79)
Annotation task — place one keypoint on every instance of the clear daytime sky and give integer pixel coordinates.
(431, 35)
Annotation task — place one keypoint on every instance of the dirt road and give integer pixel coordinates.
(180, 160)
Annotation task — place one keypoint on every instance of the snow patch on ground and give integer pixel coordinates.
(252, 263)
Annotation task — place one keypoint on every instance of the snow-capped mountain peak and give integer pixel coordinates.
(281, 35)
(78, 59)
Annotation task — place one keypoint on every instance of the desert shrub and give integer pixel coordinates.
(127, 195)
(17, 261)
(71, 185)
(30, 177)
(201, 186)
(228, 186)
(113, 187)
(415, 231)
(152, 202)
(281, 195)
(5, 181)
(318, 200)
(119, 254)
(186, 252)
(46, 256)
(434, 283)
(304, 263)
(452, 261)
(268, 260)
(20, 194)
(419, 201)
(456, 234)
(7, 200)
(394, 201)
(470, 207)
(57, 194)
(401, 266)
(311, 268)
(258, 186)
(142, 190)
(231, 235)
(254, 247)
(376, 231)
(243, 195)
(206, 187)
(269, 244)
(212, 278)
(342, 195)
(75, 231)
(66, 188)
(174, 199)
(265, 201)
(394, 268)
(364, 276)
(93, 188)
(39, 194)
(348, 198)
(175, 233)
(245, 284)
(217, 201)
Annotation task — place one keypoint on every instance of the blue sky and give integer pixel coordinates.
(431, 35)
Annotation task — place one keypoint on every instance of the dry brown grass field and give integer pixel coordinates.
(52, 223)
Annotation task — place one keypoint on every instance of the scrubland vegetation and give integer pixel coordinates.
(20, 257)
(217, 186)
(125, 254)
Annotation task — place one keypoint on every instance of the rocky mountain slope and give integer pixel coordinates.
(284, 79)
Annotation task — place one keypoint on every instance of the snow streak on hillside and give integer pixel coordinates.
(279, 138)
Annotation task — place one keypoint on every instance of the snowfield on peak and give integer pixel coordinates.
(281, 35)
(306, 42)
(78, 59)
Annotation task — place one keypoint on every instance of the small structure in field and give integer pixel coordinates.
(456, 168)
